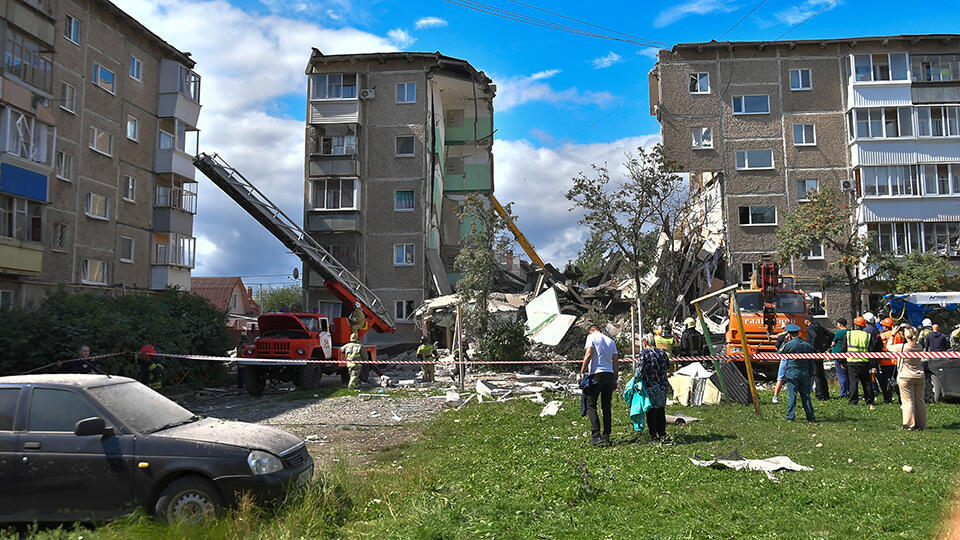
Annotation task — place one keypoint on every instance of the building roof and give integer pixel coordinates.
(218, 291)
(713, 44)
(443, 62)
(181, 56)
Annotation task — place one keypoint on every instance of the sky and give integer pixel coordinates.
(564, 101)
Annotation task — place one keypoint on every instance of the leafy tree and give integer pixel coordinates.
(633, 214)
(286, 298)
(918, 271)
(827, 219)
(592, 258)
(485, 244)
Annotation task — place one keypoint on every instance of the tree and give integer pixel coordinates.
(918, 271)
(634, 214)
(592, 258)
(481, 249)
(286, 298)
(827, 219)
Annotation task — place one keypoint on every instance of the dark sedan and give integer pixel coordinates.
(92, 447)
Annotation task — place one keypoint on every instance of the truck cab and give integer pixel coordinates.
(291, 335)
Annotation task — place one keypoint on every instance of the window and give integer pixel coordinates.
(71, 29)
(758, 215)
(932, 68)
(68, 97)
(403, 255)
(98, 206)
(406, 92)
(136, 69)
(101, 141)
(333, 86)
(126, 249)
(344, 253)
(21, 219)
(405, 145)
(889, 122)
(941, 179)
(338, 145)
(60, 235)
(699, 83)
(335, 194)
(64, 166)
(94, 272)
(746, 272)
(403, 201)
(880, 67)
(26, 136)
(804, 135)
(800, 79)
(404, 309)
(189, 84)
(942, 238)
(174, 249)
(814, 253)
(759, 104)
(133, 128)
(104, 78)
(129, 188)
(702, 137)
(28, 60)
(899, 238)
(754, 159)
(8, 396)
(160, 253)
(806, 188)
(164, 140)
(938, 121)
(895, 180)
(58, 410)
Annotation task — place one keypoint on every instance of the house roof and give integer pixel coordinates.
(913, 38)
(218, 291)
(449, 64)
(183, 57)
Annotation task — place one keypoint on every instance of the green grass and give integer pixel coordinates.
(500, 471)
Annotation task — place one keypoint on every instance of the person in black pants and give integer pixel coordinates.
(652, 369)
(599, 363)
(819, 338)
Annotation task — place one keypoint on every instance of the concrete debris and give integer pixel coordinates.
(486, 389)
(464, 404)
(680, 419)
(452, 399)
(551, 409)
(396, 417)
(538, 398)
(767, 466)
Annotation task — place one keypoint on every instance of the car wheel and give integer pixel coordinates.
(255, 380)
(937, 388)
(189, 500)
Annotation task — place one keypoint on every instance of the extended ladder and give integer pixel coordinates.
(338, 280)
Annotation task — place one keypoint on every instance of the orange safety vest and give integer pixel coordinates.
(897, 339)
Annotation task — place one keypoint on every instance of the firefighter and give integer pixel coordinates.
(151, 368)
(357, 320)
(955, 338)
(859, 369)
(665, 340)
(427, 353)
(925, 328)
(691, 341)
(354, 353)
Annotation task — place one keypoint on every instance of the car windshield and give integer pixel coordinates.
(786, 302)
(140, 408)
(310, 323)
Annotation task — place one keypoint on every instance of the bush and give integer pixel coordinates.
(504, 340)
(172, 321)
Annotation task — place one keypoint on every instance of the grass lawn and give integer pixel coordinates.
(500, 471)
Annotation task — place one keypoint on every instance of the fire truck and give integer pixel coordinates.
(297, 338)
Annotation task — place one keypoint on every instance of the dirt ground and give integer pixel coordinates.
(363, 428)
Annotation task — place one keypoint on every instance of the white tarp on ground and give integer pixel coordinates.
(768, 466)
(545, 323)
(692, 386)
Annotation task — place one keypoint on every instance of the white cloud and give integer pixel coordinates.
(401, 38)
(649, 52)
(800, 12)
(541, 136)
(520, 89)
(606, 60)
(429, 22)
(692, 7)
(536, 180)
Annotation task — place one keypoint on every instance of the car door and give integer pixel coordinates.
(71, 477)
(9, 463)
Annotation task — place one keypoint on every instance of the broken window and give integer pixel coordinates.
(21, 219)
(754, 159)
(699, 83)
(129, 188)
(702, 137)
(800, 79)
(756, 104)
(104, 78)
(932, 68)
(746, 272)
(26, 136)
(71, 28)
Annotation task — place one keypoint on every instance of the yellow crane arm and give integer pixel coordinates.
(521, 239)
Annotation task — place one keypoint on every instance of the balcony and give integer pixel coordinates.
(179, 90)
(179, 106)
(333, 221)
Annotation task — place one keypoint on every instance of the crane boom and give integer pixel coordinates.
(521, 239)
(337, 279)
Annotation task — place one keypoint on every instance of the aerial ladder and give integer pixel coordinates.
(337, 279)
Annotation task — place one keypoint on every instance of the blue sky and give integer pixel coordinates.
(564, 101)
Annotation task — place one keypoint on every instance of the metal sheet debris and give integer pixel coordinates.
(767, 466)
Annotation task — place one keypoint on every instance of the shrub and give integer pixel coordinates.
(504, 340)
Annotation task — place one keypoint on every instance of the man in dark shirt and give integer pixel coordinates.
(819, 338)
(80, 364)
(841, 364)
(936, 341)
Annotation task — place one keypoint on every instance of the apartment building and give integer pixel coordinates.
(762, 124)
(98, 122)
(393, 142)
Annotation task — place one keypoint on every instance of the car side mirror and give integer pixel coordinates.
(90, 426)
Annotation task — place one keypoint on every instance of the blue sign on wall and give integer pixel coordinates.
(22, 182)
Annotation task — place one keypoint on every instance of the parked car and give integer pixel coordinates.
(945, 378)
(93, 447)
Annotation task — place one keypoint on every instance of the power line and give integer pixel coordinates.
(741, 20)
(794, 27)
(526, 19)
(587, 23)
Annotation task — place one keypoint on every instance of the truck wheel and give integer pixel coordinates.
(364, 372)
(345, 375)
(255, 380)
(308, 377)
(937, 388)
(190, 500)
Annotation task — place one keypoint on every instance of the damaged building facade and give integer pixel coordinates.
(98, 121)
(761, 124)
(393, 142)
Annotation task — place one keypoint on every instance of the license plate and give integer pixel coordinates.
(305, 477)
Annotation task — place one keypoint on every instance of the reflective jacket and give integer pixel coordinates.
(665, 343)
(857, 341)
(354, 352)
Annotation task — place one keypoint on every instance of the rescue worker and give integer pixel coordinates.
(887, 375)
(692, 342)
(799, 374)
(354, 353)
(858, 368)
(665, 340)
(819, 338)
(955, 337)
(925, 328)
(427, 353)
(151, 367)
(357, 320)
